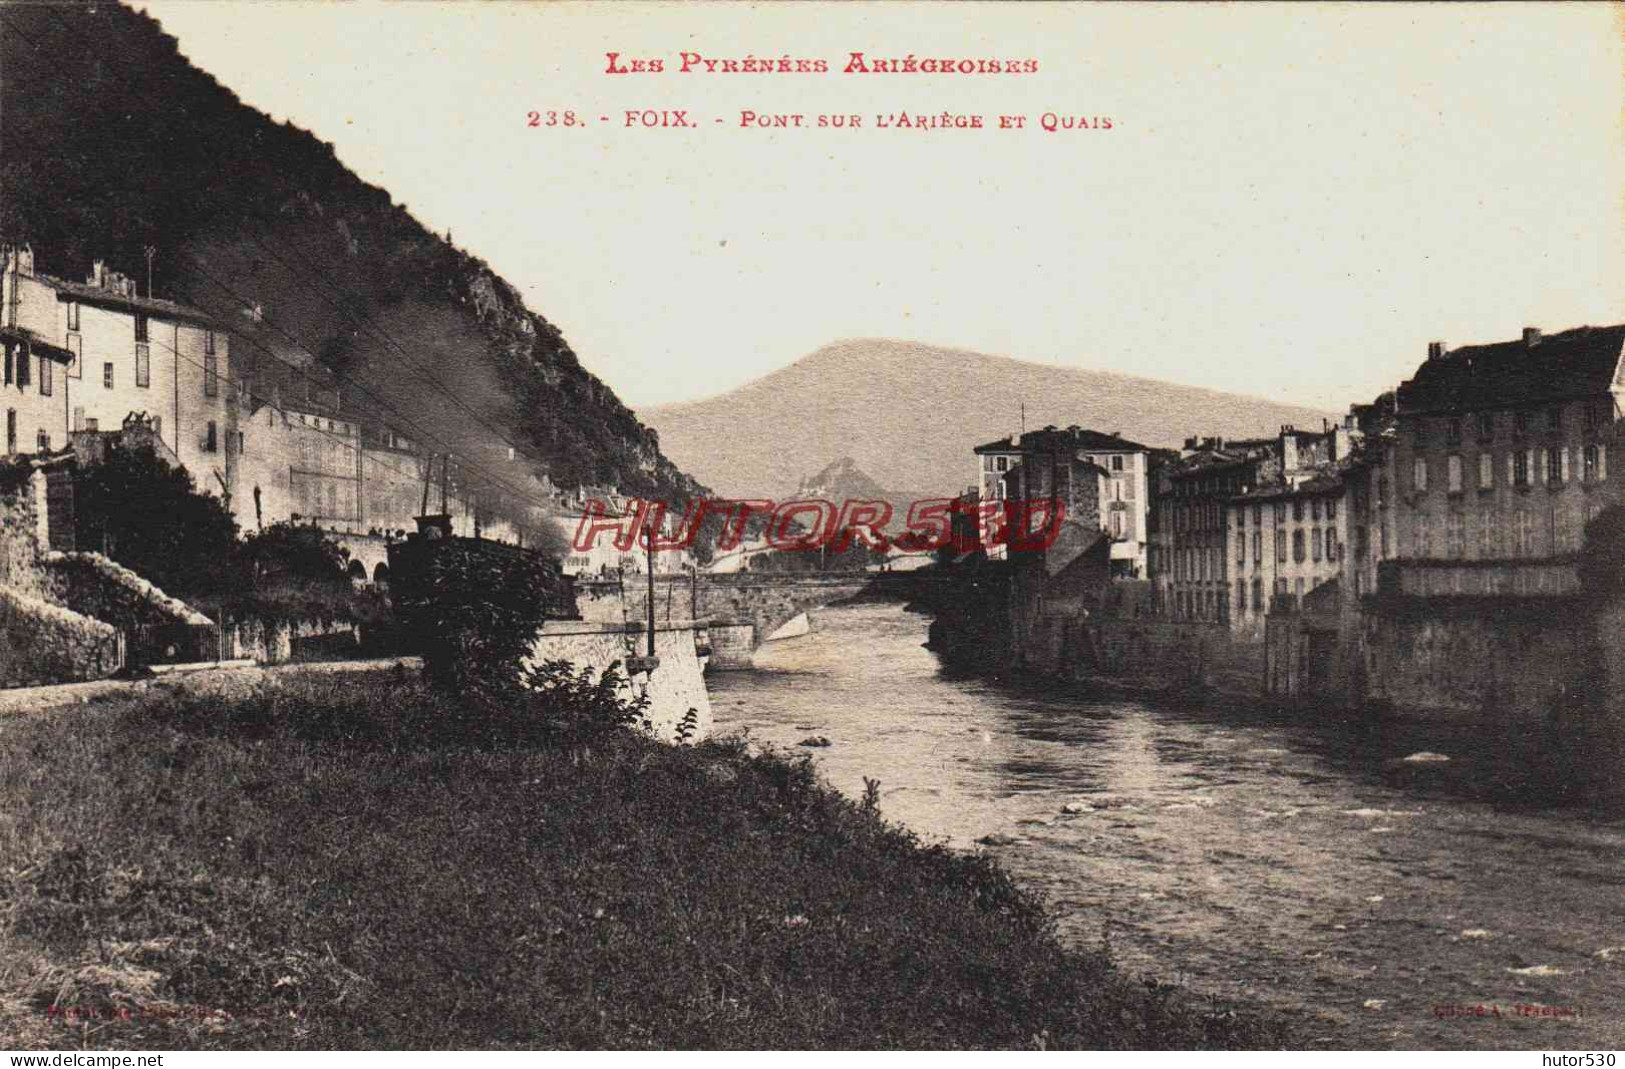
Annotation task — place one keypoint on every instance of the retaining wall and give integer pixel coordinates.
(673, 688)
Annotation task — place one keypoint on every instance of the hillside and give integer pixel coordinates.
(112, 142)
(910, 414)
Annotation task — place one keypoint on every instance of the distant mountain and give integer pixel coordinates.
(910, 414)
(843, 480)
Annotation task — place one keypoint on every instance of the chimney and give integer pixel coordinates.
(98, 274)
(1435, 350)
(1531, 337)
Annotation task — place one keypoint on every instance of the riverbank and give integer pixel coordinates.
(298, 867)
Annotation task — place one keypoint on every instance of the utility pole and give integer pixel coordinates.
(151, 251)
(649, 558)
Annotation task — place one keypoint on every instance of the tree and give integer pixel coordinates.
(150, 517)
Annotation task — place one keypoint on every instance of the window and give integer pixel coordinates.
(141, 327)
(1297, 545)
(1331, 543)
(25, 362)
(107, 376)
(208, 343)
(1280, 512)
(1589, 471)
(43, 440)
(1486, 426)
(11, 430)
(1315, 544)
(44, 377)
(212, 442)
(987, 463)
(1520, 422)
(1424, 537)
(1331, 508)
(76, 346)
(1280, 547)
(1117, 463)
(1520, 467)
(1419, 473)
(1002, 464)
(1258, 515)
(1241, 549)
(73, 315)
(242, 445)
(1452, 432)
(1297, 589)
(1453, 473)
(1486, 471)
(1241, 516)
(1258, 547)
(1297, 511)
(1314, 509)
(1555, 465)
(1241, 595)
(143, 365)
(1454, 537)
(1258, 594)
(1554, 418)
(211, 370)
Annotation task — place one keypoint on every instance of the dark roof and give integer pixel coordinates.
(1320, 483)
(1579, 363)
(1050, 439)
(106, 298)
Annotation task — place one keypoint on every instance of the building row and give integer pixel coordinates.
(1475, 477)
(259, 424)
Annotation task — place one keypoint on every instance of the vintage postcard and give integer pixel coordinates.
(768, 526)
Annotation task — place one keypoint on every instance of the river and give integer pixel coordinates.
(1294, 863)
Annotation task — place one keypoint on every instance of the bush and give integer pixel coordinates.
(146, 514)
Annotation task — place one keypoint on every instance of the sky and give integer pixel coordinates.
(1291, 202)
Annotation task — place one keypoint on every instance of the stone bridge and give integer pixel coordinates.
(369, 555)
(725, 604)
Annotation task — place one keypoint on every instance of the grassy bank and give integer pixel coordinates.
(317, 866)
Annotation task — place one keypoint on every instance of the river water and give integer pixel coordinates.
(1295, 863)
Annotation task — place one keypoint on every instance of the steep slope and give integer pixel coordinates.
(112, 141)
(910, 414)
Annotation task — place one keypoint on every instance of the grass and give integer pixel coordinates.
(304, 867)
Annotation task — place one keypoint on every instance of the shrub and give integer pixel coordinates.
(475, 612)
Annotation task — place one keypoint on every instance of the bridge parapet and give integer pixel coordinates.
(765, 602)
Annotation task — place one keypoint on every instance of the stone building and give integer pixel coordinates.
(1498, 460)
(1286, 539)
(89, 355)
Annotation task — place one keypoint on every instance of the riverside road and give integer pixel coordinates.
(1297, 863)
